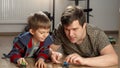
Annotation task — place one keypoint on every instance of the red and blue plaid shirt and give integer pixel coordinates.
(22, 46)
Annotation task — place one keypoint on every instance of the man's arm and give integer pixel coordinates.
(55, 55)
(108, 57)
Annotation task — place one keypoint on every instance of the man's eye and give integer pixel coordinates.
(41, 32)
(66, 30)
(74, 29)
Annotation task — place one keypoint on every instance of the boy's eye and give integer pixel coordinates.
(47, 32)
(42, 32)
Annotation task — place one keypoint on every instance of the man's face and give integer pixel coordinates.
(74, 32)
(40, 34)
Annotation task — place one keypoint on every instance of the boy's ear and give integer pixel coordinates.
(31, 31)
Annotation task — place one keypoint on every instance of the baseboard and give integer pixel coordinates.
(111, 32)
(9, 33)
(16, 33)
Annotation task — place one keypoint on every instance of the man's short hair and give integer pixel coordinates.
(71, 14)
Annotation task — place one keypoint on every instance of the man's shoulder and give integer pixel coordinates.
(59, 30)
(60, 27)
(92, 29)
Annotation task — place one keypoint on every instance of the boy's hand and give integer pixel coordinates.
(40, 63)
(21, 61)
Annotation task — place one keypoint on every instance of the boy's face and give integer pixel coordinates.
(40, 34)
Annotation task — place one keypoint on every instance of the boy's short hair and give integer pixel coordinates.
(39, 20)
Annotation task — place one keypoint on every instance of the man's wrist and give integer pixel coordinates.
(83, 62)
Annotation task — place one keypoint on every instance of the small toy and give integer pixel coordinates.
(65, 65)
(112, 40)
(23, 65)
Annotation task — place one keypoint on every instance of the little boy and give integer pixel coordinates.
(34, 43)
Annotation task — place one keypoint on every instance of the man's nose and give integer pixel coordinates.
(71, 33)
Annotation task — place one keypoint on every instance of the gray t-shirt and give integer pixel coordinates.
(93, 43)
(34, 48)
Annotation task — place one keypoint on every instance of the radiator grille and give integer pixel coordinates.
(17, 11)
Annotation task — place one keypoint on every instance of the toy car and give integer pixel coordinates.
(112, 40)
(23, 65)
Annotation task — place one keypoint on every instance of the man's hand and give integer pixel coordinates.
(74, 59)
(40, 63)
(21, 60)
(56, 56)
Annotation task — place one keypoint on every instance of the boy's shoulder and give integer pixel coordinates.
(48, 40)
(26, 36)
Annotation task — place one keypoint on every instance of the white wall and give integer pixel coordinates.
(119, 6)
(105, 12)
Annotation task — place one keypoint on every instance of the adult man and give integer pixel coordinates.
(82, 43)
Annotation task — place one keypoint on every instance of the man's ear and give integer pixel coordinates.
(31, 31)
(84, 25)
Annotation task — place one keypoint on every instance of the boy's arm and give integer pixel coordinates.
(44, 50)
(15, 53)
(19, 45)
(43, 53)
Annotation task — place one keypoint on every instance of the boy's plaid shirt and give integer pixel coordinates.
(22, 46)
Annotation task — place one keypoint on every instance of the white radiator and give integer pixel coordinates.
(14, 13)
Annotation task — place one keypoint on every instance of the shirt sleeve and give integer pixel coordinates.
(17, 50)
(101, 40)
(44, 53)
(15, 53)
(44, 50)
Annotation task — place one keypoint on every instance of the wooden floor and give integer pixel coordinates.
(6, 45)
